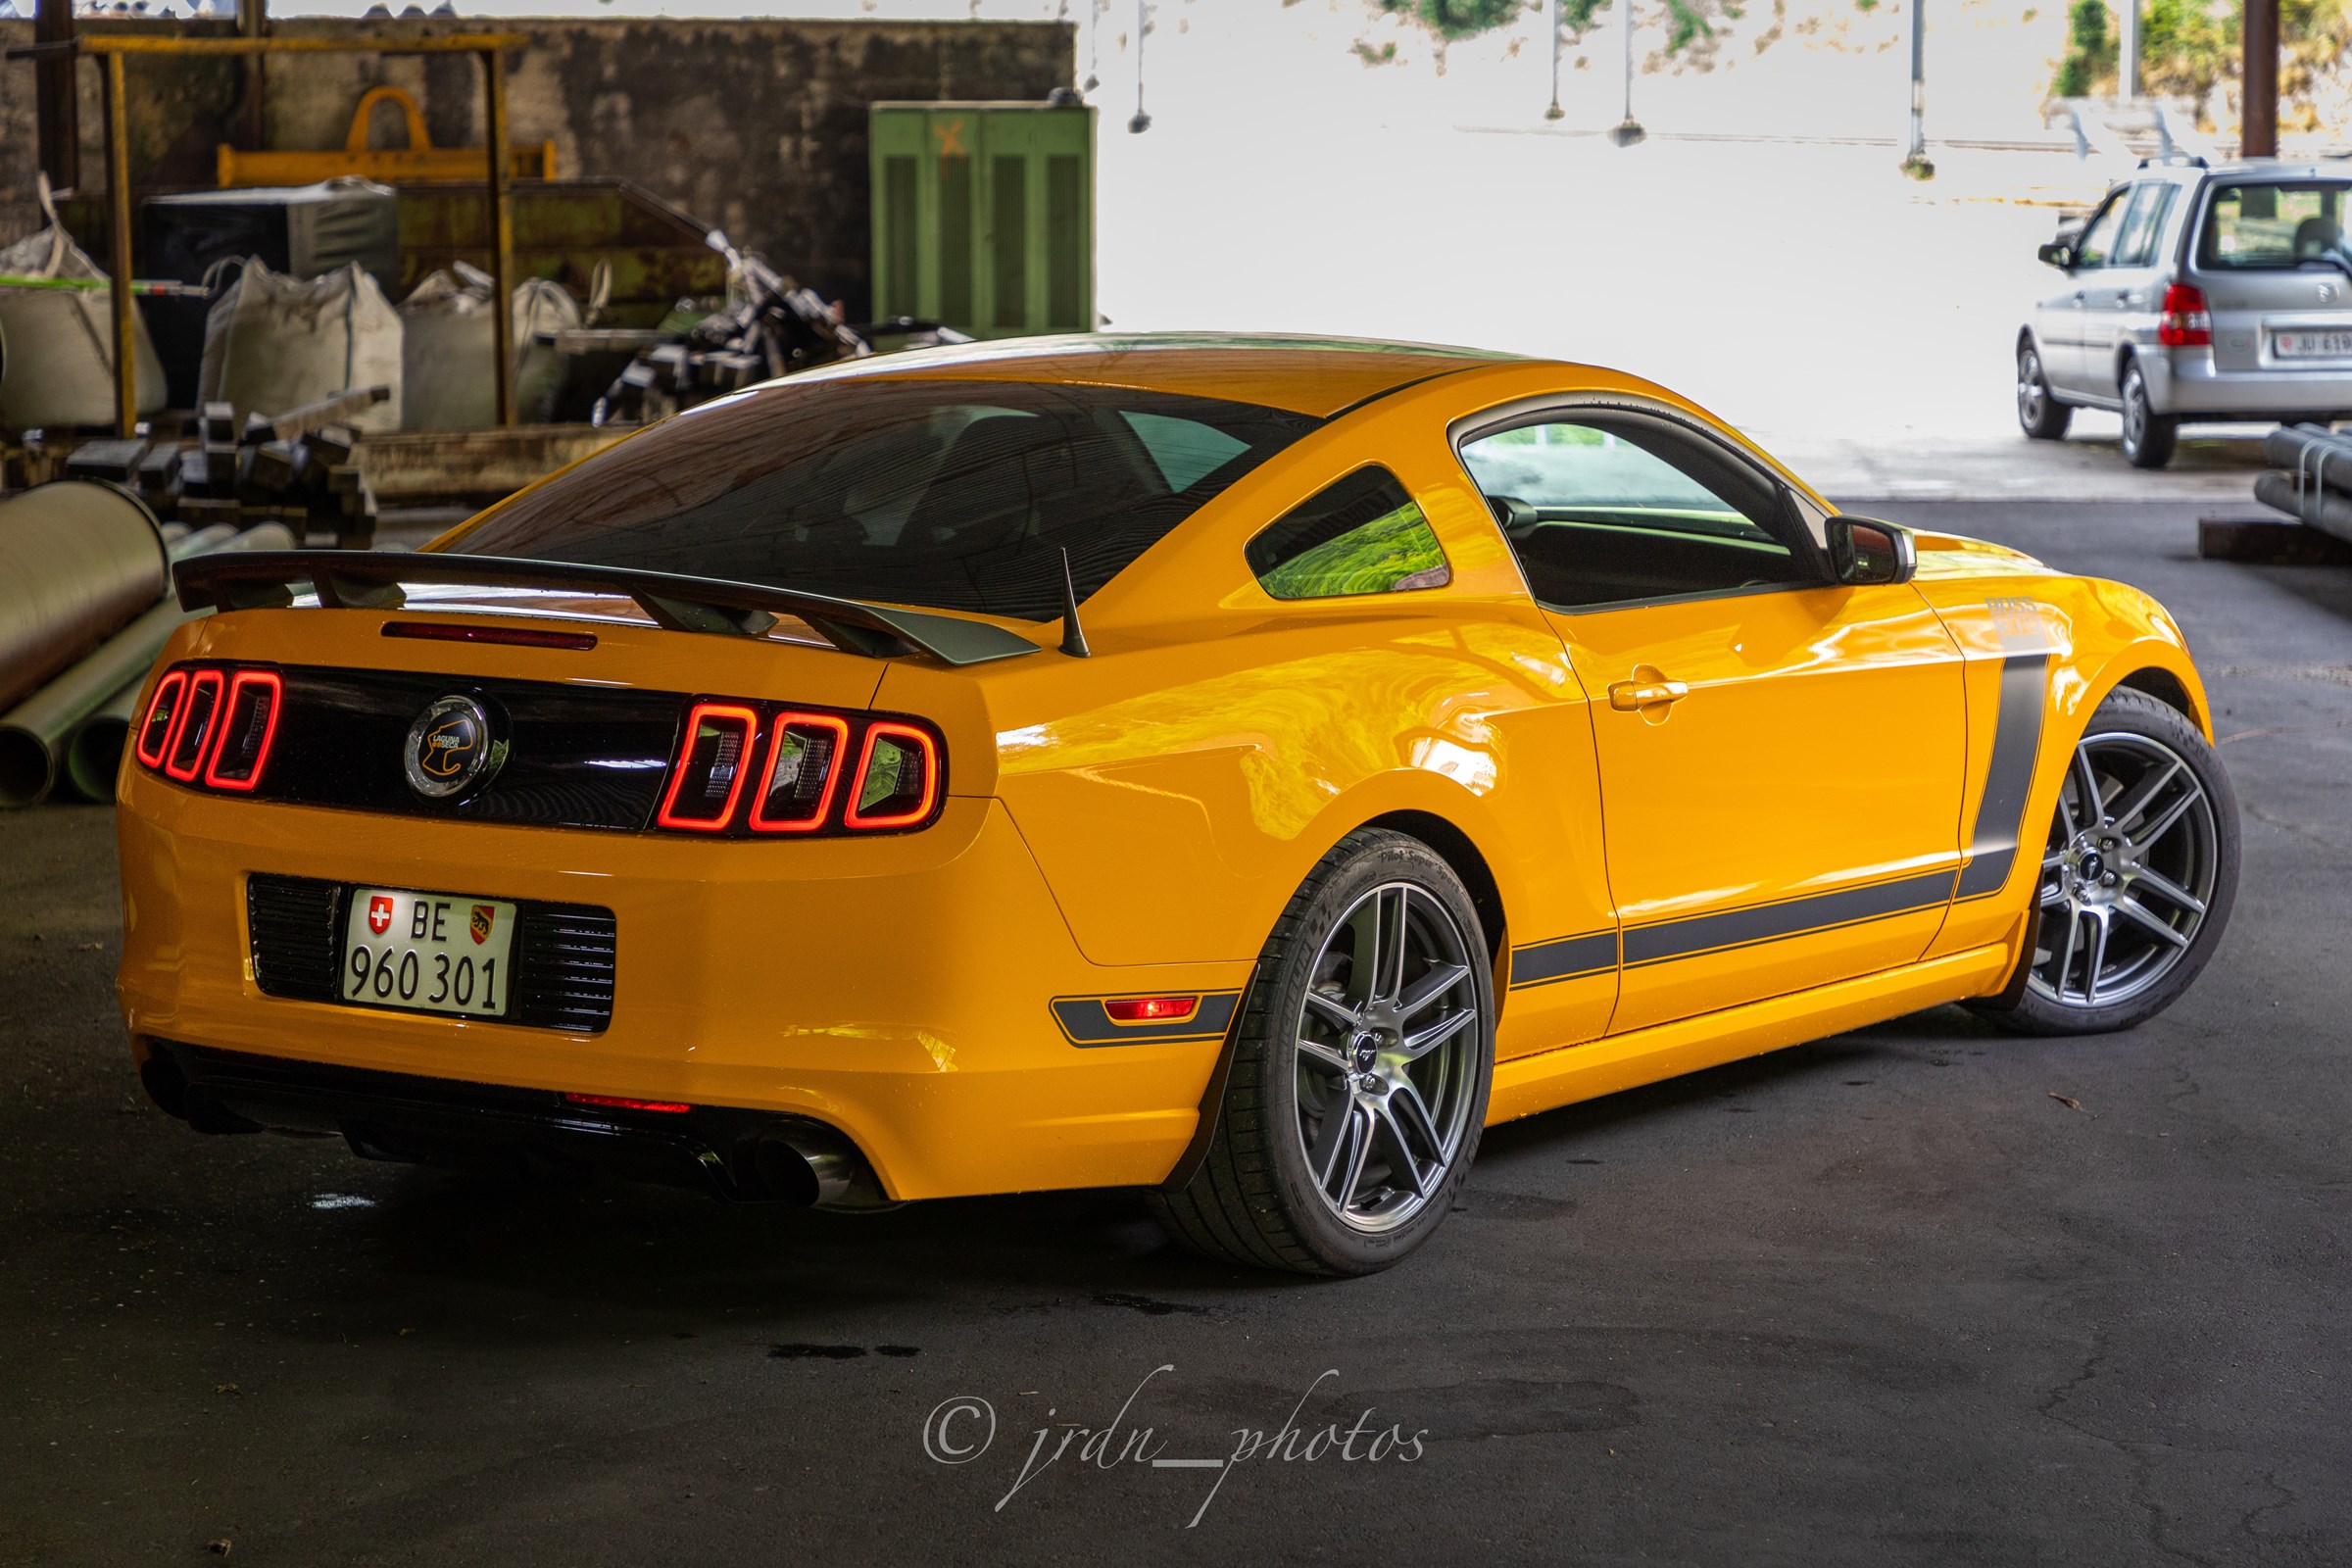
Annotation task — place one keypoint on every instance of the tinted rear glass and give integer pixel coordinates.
(955, 495)
(2274, 225)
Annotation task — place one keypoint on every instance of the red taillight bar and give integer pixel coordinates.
(835, 763)
(163, 708)
(518, 636)
(671, 1107)
(273, 693)
(745, 723)
(928, 748)
(191, 745)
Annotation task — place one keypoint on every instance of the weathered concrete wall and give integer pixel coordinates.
(755, 127)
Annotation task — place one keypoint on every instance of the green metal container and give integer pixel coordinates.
(984, 216)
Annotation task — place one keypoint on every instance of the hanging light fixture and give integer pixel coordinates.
(1094, 44)
(1551, 10)
(1628, 130)
(1143, 24)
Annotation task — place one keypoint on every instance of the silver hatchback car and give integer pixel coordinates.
(2197, 293)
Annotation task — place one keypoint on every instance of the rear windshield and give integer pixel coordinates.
(954, 495)
(2271, 224)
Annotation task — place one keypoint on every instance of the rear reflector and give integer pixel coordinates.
(898, 778)
(713, 757)
(155, 731)
(518, 636)
(248, 725)
(184, 753)
(616, 1102)
(1151, 1009)
(802, 773)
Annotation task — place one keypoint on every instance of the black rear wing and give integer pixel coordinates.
(348, 580)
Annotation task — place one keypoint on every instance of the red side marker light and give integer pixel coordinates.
(163, 709)
(616, 1102)
(248, 727)
(1151, 1009)
(713, 758)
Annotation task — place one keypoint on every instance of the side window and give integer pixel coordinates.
(2097, 243)
(1363, 535)
(1607, 506)
(2143, 224)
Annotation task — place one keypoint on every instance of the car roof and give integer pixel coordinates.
(1317, 376)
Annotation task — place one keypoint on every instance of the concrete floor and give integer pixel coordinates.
(1878, 1299)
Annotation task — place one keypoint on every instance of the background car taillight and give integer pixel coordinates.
(212, 725)
(756, 768)
(2188, 321)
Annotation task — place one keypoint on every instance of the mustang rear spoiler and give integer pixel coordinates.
(350, 579)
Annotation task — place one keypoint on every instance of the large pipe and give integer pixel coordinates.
(77, 560)
(2312, 453)
(2323, 510)
(77, 723)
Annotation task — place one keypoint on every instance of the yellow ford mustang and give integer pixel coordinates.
(1242, 768)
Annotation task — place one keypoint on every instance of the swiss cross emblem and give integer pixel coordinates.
(380, 915)
(484, 914)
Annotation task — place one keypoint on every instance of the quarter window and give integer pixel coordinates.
(1614, 505)
(1363, 535)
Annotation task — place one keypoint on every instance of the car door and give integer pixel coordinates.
(2123, 289)
(2066, 352)
(1781, 756)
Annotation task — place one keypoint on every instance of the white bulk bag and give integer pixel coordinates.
(448, 350)
(56, 346)
(273, 343)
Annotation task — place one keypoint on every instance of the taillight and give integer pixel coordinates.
(155, 731)
(212, 725)
(183, 753)
(898, 778)
(668, 1108)
(800, 774)
(2188, 321)
(247, 727)
(708, 778)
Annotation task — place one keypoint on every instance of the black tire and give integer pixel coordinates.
(2148, 436)
(2039, 412)
(2131, 741)
(1255, 1196)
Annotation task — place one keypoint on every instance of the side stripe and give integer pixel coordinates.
(1541, 963)
(1769, 922)
(1087, 1025)
(2008, 777)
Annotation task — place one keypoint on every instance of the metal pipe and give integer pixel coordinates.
(2127, 75)
(2258, 77)
(502, 234)
(57, 110)
(77, 560)
(117, 201)
(76, 725)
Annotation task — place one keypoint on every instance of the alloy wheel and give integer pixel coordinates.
(1385, 1070)
(2127, 873)
(2031, 390)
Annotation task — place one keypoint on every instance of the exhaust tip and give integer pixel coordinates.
(810, 1166)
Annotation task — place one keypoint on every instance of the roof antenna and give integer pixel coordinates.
(1073, 636)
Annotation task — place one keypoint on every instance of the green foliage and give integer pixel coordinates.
(1684, 24)
(2089, 51)
(1457, 19)
(2191, 48)
(1375, 559)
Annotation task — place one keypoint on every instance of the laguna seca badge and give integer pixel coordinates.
(451, 748)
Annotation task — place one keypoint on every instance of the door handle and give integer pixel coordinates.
(1629, 695)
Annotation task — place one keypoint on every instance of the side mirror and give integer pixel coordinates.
(2058, 253)
(1864, 551)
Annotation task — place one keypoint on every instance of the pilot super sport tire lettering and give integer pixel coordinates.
(2042, 416)
(2137, 875)
(1357, 1088)
(2148, 436)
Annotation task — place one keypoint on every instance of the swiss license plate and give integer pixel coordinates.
(2312, 345)
(432, 952)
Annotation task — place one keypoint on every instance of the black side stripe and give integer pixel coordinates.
(2009, 775)
(1083, 1020)
(1770, 922)
(1541, 963)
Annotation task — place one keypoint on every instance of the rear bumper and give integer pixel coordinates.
(2184, 382)
(897, 991)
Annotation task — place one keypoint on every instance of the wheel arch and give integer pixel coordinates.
(1462, 854)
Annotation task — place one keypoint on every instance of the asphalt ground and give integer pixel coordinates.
(1884, 1298)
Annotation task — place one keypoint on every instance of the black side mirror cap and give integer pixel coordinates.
(2059, 254)
(1864, 551)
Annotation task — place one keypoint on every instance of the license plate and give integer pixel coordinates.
(428, 952)
(2312, 345)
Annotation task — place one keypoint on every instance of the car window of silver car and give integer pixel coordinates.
(2097, 244)
(2275, 226)
(2136, 246)
(1610, 506)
